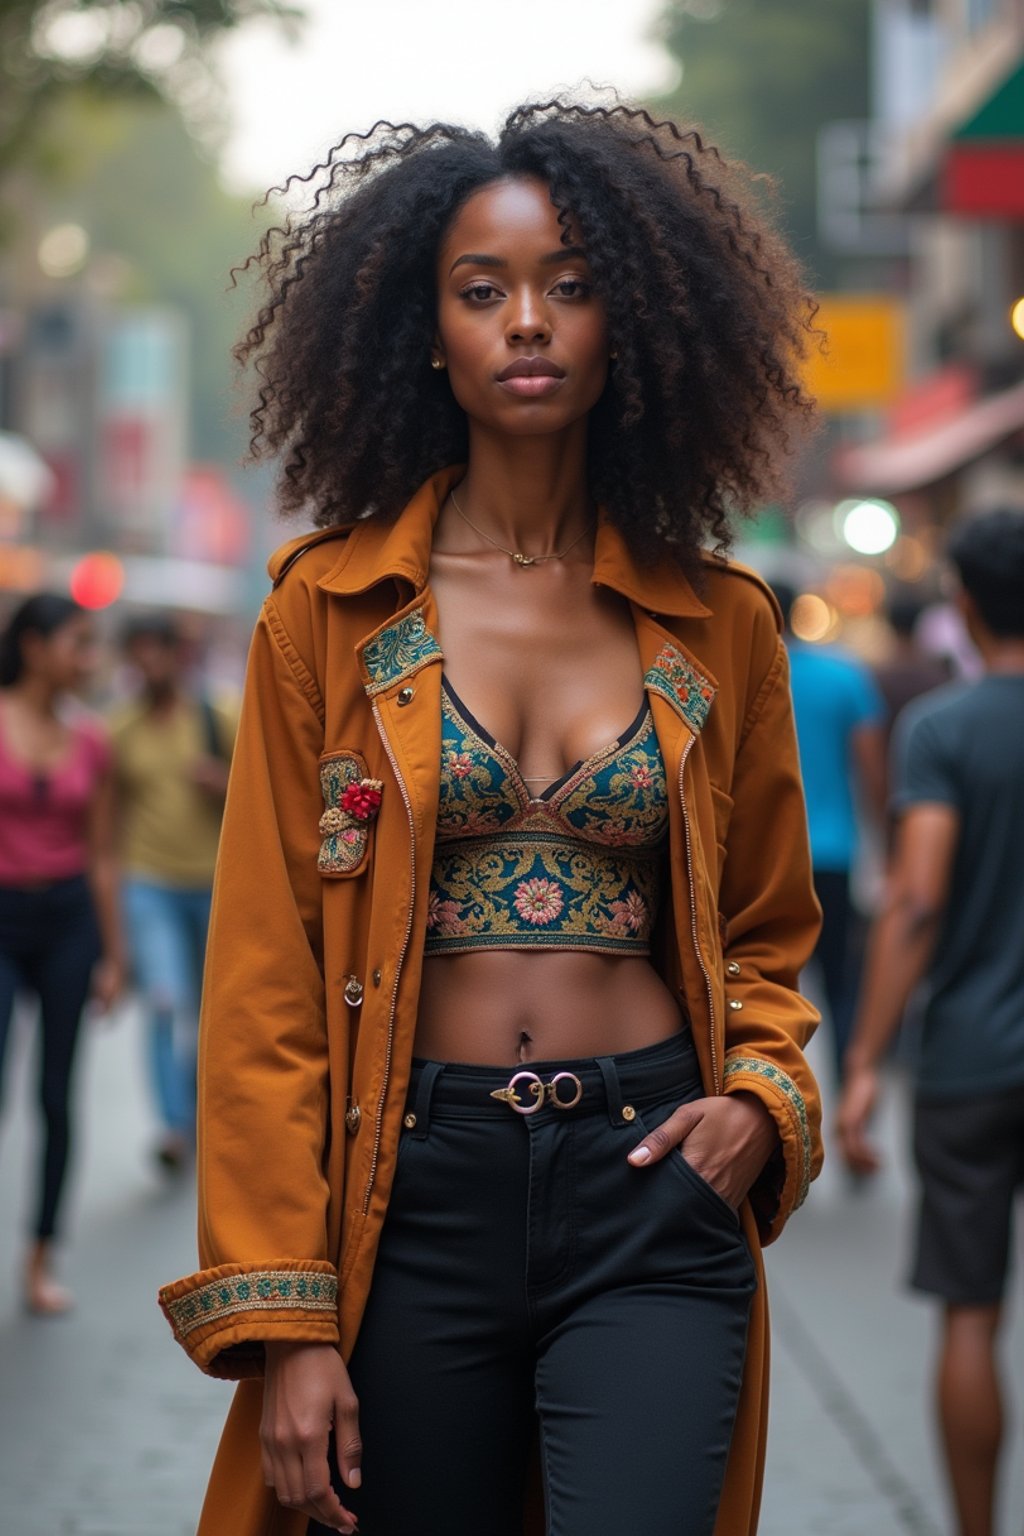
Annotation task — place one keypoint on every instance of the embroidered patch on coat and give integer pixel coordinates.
(736, 1066)
(679, 681)
(351, 803)
(398, 651)
(261, 1290)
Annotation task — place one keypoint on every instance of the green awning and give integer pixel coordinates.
(1001, 116)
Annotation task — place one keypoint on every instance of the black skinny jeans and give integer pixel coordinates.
(49, 943)
(529, 1279)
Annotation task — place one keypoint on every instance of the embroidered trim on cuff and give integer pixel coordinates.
(262, 1290)
(754, 1066)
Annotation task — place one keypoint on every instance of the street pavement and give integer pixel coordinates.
(107, 1430)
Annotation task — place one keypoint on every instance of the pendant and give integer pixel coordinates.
(524, 559)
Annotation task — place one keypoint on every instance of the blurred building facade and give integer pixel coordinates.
(947, 185)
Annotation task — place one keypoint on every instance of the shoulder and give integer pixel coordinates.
(938, 710)
(303, 560)
(91, 732)
(731, 588)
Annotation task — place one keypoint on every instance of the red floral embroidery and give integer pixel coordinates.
(362, 799)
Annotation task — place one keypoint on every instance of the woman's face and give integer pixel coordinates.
(67, 658)
(519, 328)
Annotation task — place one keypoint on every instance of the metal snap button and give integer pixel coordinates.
(733, 968)
(628, 1112)
(376, 978)
(735, 1004)
(353, 991)
(353, 1115)
(409, 1121)
(406, 695)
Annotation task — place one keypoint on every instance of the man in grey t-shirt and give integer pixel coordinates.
(954, 915)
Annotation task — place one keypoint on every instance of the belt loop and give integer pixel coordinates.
(424, 1092)
(612, 1089)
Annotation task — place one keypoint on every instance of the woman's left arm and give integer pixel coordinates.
(109, 974)
(762, 1135)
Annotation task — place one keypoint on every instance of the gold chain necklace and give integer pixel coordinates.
(521, 560)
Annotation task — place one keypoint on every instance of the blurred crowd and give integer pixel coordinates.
(109, 822)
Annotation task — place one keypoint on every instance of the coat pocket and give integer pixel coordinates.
(351, 802)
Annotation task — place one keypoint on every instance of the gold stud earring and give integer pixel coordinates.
(437, 362)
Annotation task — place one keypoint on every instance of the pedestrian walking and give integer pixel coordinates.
(954, 914)
(502, 1080)
(908, 670)
(59, 930)
(172, 748)
(840, 729)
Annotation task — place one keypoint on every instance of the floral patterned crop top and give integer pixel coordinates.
(580, 867)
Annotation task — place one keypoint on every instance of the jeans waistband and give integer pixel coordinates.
(588, 1085)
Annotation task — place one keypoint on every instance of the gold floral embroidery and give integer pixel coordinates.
(257, 1290)
(578, 868)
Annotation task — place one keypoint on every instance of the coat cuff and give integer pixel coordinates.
(781, 1189)
(221, 1317)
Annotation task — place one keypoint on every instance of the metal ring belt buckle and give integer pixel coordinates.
(539, 1091)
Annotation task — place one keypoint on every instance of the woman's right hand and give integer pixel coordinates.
(307, 1395)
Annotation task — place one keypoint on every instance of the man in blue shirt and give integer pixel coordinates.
(840, 717)
(954, 914)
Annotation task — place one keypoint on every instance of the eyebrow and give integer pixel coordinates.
(552, 259)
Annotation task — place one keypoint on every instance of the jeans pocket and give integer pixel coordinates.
(676, 1160)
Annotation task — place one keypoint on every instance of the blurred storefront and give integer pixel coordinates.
(950, 111)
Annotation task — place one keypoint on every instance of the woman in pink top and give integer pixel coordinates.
(59, 933)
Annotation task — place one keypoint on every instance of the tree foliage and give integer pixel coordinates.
(764, 76)
(111, 47)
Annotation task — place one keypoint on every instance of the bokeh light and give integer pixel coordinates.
(1017, 317)
(63, 250)
(97, 580)
(869, 527)
(813, 619)
(855, 591)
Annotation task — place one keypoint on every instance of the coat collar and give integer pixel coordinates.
(375, 552)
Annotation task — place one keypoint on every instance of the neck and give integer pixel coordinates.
(1004, 657)
(161, 695)
(37, 695)
(530, 493)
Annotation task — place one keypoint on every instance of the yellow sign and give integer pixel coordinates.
(864, 365)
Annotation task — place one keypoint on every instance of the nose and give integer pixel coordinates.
(527, 317)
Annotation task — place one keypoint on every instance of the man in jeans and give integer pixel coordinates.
(172, 748)
(954, 913)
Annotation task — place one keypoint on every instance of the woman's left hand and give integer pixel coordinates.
(727, 1139)
(108, 978)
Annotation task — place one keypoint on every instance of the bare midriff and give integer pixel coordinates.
(496, 1008)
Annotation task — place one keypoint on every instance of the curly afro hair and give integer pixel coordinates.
(705, 303)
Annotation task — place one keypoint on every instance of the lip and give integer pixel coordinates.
(531, 368)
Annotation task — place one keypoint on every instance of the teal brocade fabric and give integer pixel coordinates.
(578, 868)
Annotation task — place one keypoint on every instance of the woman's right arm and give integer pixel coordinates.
(265, 1274)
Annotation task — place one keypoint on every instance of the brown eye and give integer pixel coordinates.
(480, 292)
(572, 288)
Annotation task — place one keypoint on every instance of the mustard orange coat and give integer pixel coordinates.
(317, 933)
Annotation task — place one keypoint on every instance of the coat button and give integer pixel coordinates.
(406, 695)
(353, 1115)
(628, 1112)
(409, 1121)
(353, 991)
(376, 978)
(733, 968)
(735, 1004)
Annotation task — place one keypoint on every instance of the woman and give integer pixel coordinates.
(501, 1047)
(59, 935)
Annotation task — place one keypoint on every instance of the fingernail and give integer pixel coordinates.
(355, 1478)
(640, 1155)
